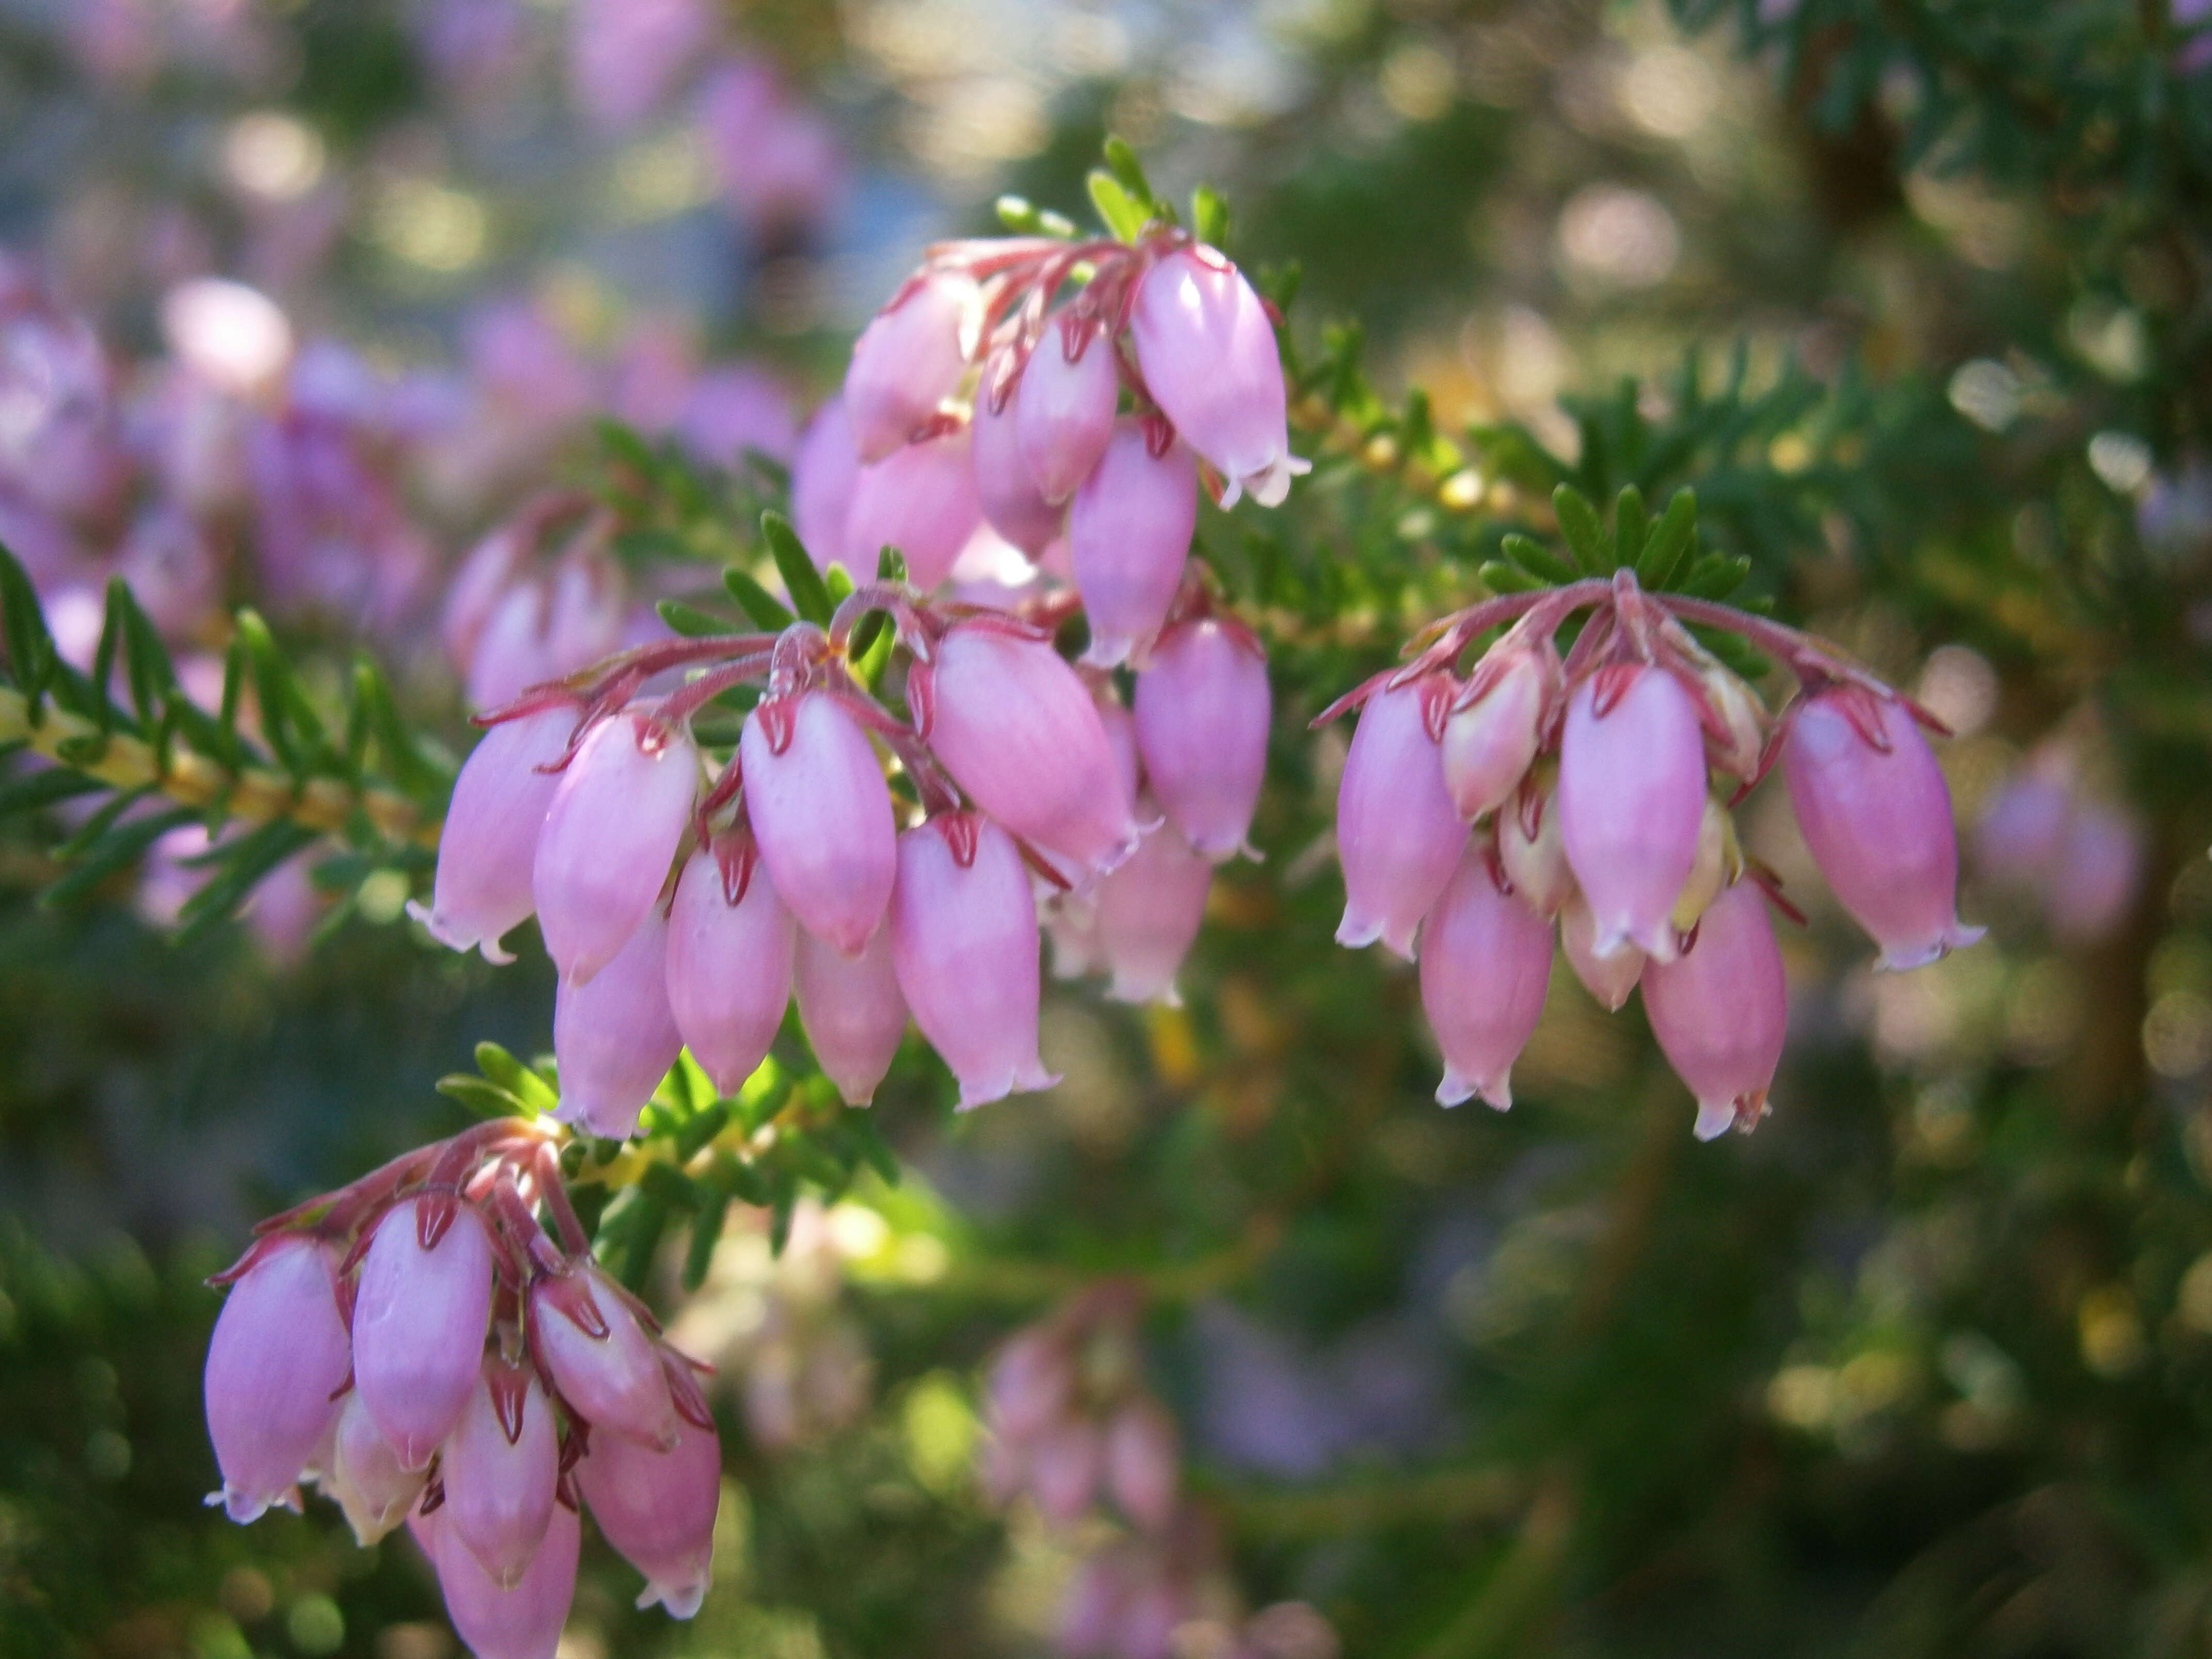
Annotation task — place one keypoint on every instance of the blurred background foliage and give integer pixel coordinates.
(1914, 294)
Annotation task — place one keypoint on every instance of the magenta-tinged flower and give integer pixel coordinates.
(657, 1509)
(729, 964)
(1144, 1462)
(822, 479)
(277, 1356)
(1608, 979)
(1011, 500)
(1485, 963)
(1128, 533)
(920, 499)
(852, 1011)
(523, 1622)
(1066, 1461)
(1397, 832)
(1031, 1382)
(2099, 868)
(1491, 739)
(499, 1466)
(965, 945)
(1876, 815)
(1721, 1009)
(1017, 728)
(1065, 406)
(1529, 847)
(610, 835)
(585, 1337)
(626, 56)
(819, 808)
(907, 361)
(615, 1038)
(1146, 915)
(1631, 797)
(1208, 355)
(483, 886)
(1202, 710)
(418, 1322)
(365, 1476)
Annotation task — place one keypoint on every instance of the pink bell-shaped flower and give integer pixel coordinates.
(729, 964)
(822, 478)
(1066, 1461)
(920, 499)
(490, 837)
(1145, 916)
(1065, 406)
(1485, 963)
(1631, 798)
(1529, 848)
(1129, 535)
(1208, 355)
(499, 1466)
(611, 833)
(657, 1509)
(277, 1356)
(1721, 1009)
(1397, 832)
(815, 793)
(965, 945)
(371, 1484)
(1202, 710)
(1011, 502)
(1608, 979)
(523, 1621)
(1876, 815)
(418, 1322)
(852, 1011)
(615, 1038)
(1490, 740)
(585, 1337)
(1017, 728)
(1031, 1382)
(1144, 1462)
(907, 361)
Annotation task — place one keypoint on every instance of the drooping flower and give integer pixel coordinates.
(615, 1037)
(1397, 832)
(1128, 535)
(1721, 1011)
(815, 792)
(729, 964)
(1065, 406)
(499, 1468)
(1202, 710)
(419, 1318)
(657, 1509)
(852, 1011)
(1632, 796)
(907, 361)
(482, 887)
(583, 1336)
(1145, 916)
(1485, 963)
(277, 1356)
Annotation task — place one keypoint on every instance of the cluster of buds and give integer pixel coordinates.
(1476, 811)
(1170, 1595)
(514, 618)
(418, 1345)
(980, 408)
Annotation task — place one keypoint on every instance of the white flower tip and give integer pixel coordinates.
(1139, 988)
(453, 934)
(1904, 955)
(1454, 1090)
(679, 1600)
(1108, 650)
(1271, 486)
(1660, 943)
(1715, 1118)
(1357, 932)
(242, 1507)
(1404, 941)
(1497, 1094)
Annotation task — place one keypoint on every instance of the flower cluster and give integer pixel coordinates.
(421, 1348)
(1589, 783)
(981, 411)
(2046, 836)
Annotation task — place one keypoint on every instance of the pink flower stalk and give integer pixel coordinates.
(1144, 1462)
(1608, 979)
(365, 1476)
(1018, 729)
(822, 480)
(1631, 797)
(1491, 739)
(1147, 916)
(1202, 712)
(1486, 963)
(1530, 848)
(1208, 355)
(615, 1038)
(1128, 533)
(852, 1011)
(1721, 1009)
(418, 1322)
(920, 499)
(965, 945)
(521, 1622)
(1012, 501)
(1397, 832)
(585, 1337)
(1065, 406)
(1876, 815)
(657, 1509)
(729, 964)
(499, 1466)
(907, 361)
(610, 832)
(277, 1355)
(482, 887)
(815, 792)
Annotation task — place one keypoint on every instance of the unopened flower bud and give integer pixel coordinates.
(1877, 820)
(1208, 355)
(371, 1484)
(1064, 407)
(1202, 710)
(277, 1355)
(1147, 916)
(521, 1622)
(965, 945)
(657, 1509)
(852, 1011)
(822, 479)
(490, 835)
(499, 1466)
(1740, 744)
(615, 1038)
(1485, 963)
(1719, 861)
(1632, 796)
(1011, 502)
(815, 793)
(1490, 740)
(1530, 848)
(1128, 533)
(1721, 1010)
(906, 362)
(611, 833)
(1143, 1463)
(921, 500)
(729, 967)
(418, 1322)
(583, 1336)
(1608, 979)
(1397, 833)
